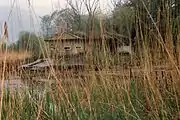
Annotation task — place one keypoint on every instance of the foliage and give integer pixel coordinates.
(46, 25)
(123, 19)
(102, 99)
(148, 88)
(68, 20)
(29, 42)
(60, 19)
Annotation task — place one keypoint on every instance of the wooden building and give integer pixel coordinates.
(67, 51)
(64, 44)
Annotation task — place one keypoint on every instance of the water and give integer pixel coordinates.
(13, 83)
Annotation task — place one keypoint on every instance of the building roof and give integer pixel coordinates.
(40, 63)
(45, 63)
(64, 36)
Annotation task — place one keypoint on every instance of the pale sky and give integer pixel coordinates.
(45, 6)
(21, 16)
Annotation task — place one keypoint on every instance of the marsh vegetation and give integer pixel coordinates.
(143, 85)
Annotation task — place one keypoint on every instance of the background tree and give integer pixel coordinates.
(29, 42)
(123, 18)
(46, 25)
(70, 20)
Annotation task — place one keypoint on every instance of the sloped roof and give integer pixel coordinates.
(40, 63)
(64, 36)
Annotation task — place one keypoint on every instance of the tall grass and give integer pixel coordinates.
(149, 90)
(98, 97)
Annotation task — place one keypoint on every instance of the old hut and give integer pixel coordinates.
(70, 51)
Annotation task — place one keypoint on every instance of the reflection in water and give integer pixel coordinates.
(14, 83)
(35, 89)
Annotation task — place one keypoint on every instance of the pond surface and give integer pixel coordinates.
(13, 83)
(17, 83)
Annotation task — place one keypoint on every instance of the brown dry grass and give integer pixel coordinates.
(14, 56)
